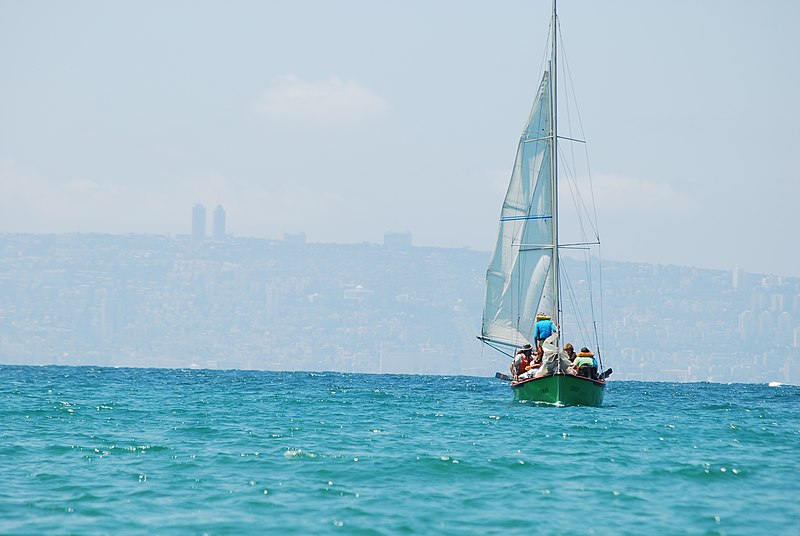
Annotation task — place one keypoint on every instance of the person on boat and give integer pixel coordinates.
(543, 328)
(522, 361)
(570, 350)
(533, 367)
(585, 364)
(537, 359)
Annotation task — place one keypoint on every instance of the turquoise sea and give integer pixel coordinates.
(146, 451)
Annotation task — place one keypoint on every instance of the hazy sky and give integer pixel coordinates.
(349, 119)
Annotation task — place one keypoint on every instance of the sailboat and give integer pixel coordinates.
(524, 277)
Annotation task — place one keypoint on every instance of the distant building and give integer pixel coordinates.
(766, 326)
(397, 240)
(758, 301)
(198, 223)
(736, 278)
(785, 327)
(776, 303)
(746, 325)
(219, 223)
(357, 292)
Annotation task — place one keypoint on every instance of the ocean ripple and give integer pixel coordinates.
(130, 451)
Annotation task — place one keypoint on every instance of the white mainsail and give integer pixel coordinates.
(519, 280)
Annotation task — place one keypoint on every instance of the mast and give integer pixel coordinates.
(554, 164)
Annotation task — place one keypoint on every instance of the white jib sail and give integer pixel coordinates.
(519, 282)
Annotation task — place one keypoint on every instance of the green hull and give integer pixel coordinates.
(561, 389)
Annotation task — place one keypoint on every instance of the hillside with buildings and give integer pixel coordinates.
(231, 302)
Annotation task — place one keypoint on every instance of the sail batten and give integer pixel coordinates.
(535, 217)
(519, 279)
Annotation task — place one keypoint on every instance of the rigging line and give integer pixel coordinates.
(568, 73)
(578, 200)
(496, 342)
(593, 221)
(591, 302)
(488, 343)
(586, 148)
(567, 284)
(588, 260)
(576, 197)
(575, 192)
(545, 50)
(596, 224)
(581, 321)
(580, 206)
(568, 77)
(577, 321)
(583, 134)
(597, 346)
(600, 284)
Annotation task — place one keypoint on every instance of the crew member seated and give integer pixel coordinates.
(522, 361)
(585, 364)
(525, 364)
(533, 366)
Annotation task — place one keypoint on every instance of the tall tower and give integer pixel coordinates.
(198, 223)
(219, 223)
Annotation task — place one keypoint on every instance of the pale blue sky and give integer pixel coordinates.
(348, 119)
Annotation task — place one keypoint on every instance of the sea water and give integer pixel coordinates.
(145, 451)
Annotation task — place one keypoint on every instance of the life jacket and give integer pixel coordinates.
(587, 370)
(587, 354)
(524, 362)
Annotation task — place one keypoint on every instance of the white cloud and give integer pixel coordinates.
(639, 197)
(638, 219)
(332, 102)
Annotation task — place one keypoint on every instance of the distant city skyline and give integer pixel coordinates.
(158, 301)
(365, 118)
(199, 231)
